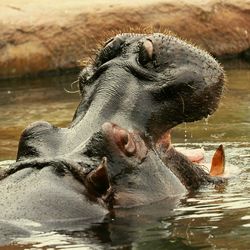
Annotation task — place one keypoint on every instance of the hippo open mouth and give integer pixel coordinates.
(117, 150)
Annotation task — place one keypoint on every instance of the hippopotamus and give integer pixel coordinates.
(117, 151)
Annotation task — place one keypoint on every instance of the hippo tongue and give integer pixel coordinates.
(194, 155)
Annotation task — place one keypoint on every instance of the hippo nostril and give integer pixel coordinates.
(148, 45)
(124, 137)
(130, 147)
(124, 140)
(111, 49)
(120, 135)
(146, 52)
(108, 41)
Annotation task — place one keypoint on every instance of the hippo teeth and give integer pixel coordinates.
(215, 168)
(218, 162)
(197, 156)
(165, 141)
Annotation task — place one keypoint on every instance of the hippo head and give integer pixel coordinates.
(138, 87)
(116, 167)
(150, 82)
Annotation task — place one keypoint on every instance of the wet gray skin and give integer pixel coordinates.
(139, 87)
(114, 168)
(148, 82)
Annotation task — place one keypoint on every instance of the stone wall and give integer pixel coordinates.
(41, 36)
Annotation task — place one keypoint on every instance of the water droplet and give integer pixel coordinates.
(206, 122)
(185, 134)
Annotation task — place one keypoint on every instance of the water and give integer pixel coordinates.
(211, 218)
(26, 101)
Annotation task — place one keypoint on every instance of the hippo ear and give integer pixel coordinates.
(98, 179)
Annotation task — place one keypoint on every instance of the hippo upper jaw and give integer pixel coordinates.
(150, 83)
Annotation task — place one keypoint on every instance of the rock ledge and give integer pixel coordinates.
(40, 36)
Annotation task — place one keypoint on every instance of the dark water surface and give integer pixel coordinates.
(212, 218)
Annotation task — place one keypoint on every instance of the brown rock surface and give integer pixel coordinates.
(39, 36)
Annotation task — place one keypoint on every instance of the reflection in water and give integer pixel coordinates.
(212, 218)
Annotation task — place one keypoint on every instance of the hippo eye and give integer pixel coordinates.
(146, 52)
(111, 49)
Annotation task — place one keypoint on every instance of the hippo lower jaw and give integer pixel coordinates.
(187, 164)
(115, 168)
